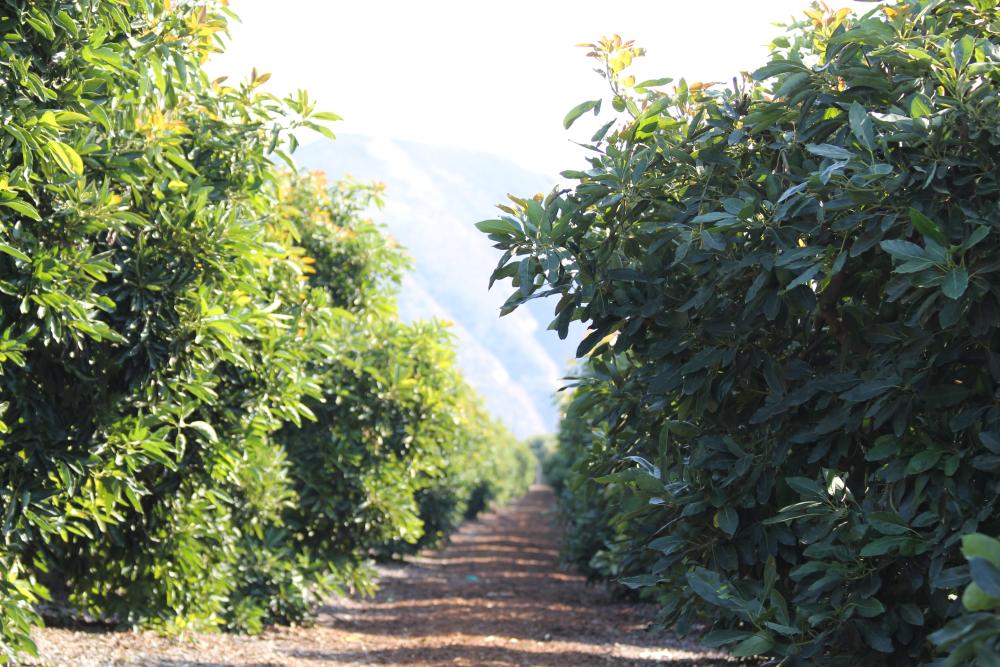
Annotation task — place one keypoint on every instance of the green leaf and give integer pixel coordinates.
(956, 281)
(861, 126)
(914, 266)
(869, 607)
(70, 117)
(977, 235)
(876, 637)
(668, 544)
(977, 545)
(64, 156)
(711, 241)
(920, 106)
(602, 131)
(884, 447)
(66, 21)
(911, 613)
(869, 389)
(181, 162)
(322, 129)
(923, 461)
(707, 584)
(757, 644)
(882, 546)
(205, 429)
(728, 520)
(782, 629)
(536, 214)
(656, 108)
(986, 575)
(803, 277)
(22, 207)
(326, 115)
(830, 151)
(681, 428)
(715, 216)
(224, 324)
(499, 227)
(975, 598)
(591, 341)
(526, 276)
(805, 486)
(791, 84)
(717, 638)
(776, 67)
(927, 227)
(962, 52)
(639, 581)
(903, 250)
(41, 23)
(579, 110)
(653, 83)
(159, 452)
(14, 252)
(888, 523)
(990, 440)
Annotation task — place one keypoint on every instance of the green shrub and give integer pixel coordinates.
(974, 636)
(583, 504)
(596, 516)
(792, 368)
(484, 466)
(137, 282)
(177, 314)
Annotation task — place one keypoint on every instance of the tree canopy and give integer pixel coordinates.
(211, 411)
(786, 419)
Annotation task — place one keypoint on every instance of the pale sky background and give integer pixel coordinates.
(494, 76)
(416, 80)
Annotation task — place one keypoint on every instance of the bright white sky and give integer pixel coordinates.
(495, 76)
(492, 76)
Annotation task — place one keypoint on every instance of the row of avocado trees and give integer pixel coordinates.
(210, 411)
(786, 430)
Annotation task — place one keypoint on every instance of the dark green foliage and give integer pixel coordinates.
(974, 636)
(211, 414)
(583, 503)
(793, 358)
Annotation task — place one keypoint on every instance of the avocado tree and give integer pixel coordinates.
(186, 327)
(792, 364)
(134, 289)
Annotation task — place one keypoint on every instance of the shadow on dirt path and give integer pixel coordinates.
(495, 596)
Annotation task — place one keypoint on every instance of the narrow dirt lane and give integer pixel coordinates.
(494, 596)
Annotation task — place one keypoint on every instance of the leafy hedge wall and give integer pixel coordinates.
(793, 363)
(211, 413)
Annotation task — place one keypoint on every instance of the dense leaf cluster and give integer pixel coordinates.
(211, 413)
(975, 636)
(790, 395)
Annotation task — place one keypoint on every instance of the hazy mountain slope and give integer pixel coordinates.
(434, 195)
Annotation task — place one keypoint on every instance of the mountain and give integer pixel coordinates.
(434, 195)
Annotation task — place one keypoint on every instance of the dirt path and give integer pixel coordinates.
(493, 597)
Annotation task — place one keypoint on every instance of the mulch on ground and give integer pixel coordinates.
(495, 596)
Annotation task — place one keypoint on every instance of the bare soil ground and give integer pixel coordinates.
(495, 596)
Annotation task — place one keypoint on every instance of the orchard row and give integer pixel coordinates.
(211, 413)
(786, 429)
